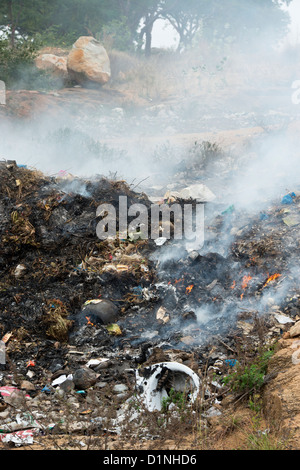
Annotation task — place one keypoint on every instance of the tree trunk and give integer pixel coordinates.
(12, 25)
(149, 22)
(148, 43)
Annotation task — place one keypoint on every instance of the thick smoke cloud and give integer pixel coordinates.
(252, 90)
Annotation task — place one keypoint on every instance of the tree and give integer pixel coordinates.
(67, 19)
(146, 13)
(264, 20)
(217, 20)
(249, 24)
(187, 19)
(10, 13)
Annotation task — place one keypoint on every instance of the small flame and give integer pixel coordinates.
(246, 280)
(89, 321)
(233, 285)
(272, 278)
(189, 289)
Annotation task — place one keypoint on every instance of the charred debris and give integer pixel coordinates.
(68, 299)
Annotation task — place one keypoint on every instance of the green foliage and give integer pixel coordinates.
(265, 441)
(179, 399)
(14, 60)
(247, 25)
(62, 22)
(17, 68)
(116, 35)
(249, 379)
(52, 37)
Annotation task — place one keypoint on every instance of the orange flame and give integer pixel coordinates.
(272, 278)
(233, 285)
(189, 289)
(246, 280)
(89, 321)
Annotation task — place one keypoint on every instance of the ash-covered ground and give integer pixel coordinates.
(90, 313)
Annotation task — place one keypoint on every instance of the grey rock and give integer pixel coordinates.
(101, 311)
(84, 378)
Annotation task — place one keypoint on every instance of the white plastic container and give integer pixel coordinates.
(152, 395)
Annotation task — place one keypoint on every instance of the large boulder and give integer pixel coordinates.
(88, 62)
(54, 64)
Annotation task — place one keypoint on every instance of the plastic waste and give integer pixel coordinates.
(229, 210)
(288, 199)
(21, 431)
(2, 353)
(160, 241)
(198, 192)
(153, 390)
(231, 362)
(19, 438)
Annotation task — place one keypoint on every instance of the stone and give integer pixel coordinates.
(100, 311)
(295, 330)
(84, 378)
(67, 386)
(2, 93)
(57, 66)
(88, 61)
(26, 385)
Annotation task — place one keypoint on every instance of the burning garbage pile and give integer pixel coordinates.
(79, 315)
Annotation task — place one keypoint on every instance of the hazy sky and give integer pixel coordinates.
(165, 36)
(294, 10)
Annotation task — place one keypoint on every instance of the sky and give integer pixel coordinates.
(294, 10)
(165, 36)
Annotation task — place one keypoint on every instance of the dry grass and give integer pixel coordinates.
(201, 71)
(56, 320)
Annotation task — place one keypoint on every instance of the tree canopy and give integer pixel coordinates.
(64, 21)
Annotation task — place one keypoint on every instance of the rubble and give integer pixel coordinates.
(88, 322)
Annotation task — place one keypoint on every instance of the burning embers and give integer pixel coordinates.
(272, 278)
(245, 283)
(189, 289)
(247, 279)
(88, 321)
(180, 282)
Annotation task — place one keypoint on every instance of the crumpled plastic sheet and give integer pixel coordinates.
(19, 438)
(7, 391)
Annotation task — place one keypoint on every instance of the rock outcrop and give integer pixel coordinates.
(54, 64)
(88, 61)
